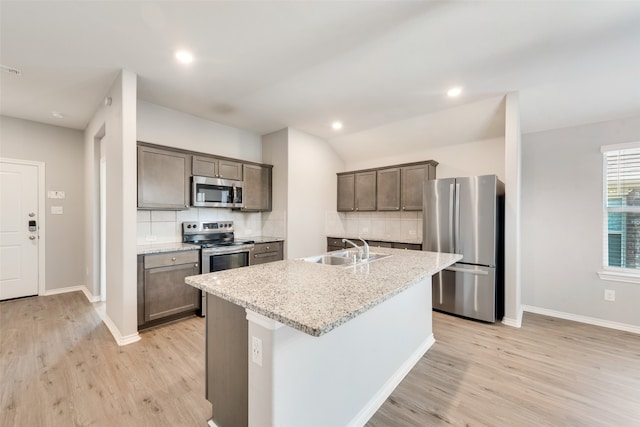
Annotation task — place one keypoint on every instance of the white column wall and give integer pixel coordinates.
(512, 279)
(118, 121)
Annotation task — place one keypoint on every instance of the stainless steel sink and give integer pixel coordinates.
(343, 259)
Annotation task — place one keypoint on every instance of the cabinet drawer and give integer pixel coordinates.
(378, 244)
(411, 246)
(170, 258)
(261, 248)
(265, 257)
(332, 241)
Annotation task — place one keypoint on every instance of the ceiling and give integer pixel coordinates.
(381, 67)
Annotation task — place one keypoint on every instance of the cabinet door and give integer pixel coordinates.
(346, 192)
(205, 166)
(165, 292)
(365, 189)
(230, 170)
(266, 252)
(388, 189)
(413, 178)
(256, 192)
(163, 179)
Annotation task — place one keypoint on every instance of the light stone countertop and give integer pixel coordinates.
(316, 298)
(156, 248)
(261, 239)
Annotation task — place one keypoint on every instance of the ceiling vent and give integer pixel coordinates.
(10, 70)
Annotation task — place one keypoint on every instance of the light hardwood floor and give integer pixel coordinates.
(59, 366)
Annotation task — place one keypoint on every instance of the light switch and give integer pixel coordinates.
(55, 194)
(56, 210)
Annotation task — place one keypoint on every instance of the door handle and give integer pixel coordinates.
(32, 237)
(468, 270)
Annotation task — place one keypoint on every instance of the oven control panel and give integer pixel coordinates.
(207, 227)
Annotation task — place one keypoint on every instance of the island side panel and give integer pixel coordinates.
(342, 377)
(227, 358)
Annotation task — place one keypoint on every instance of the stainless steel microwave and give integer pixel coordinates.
(216, 192)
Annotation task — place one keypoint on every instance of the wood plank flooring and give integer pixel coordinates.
(551, 372)
(59, 366)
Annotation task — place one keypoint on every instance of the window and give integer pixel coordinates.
(622, 208)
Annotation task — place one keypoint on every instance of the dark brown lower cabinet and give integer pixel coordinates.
(162, 294)
(227, 354)
(266, 252)
(335, 243)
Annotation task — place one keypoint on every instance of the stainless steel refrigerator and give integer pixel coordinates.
(466, 216)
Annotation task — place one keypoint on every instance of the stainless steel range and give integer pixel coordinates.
(219, 249)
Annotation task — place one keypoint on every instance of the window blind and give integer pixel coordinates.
(622, 208)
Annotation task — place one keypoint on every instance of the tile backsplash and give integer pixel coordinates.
(392, 226)
(166, 226)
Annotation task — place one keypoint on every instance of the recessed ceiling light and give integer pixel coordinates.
(57, 114)
(454, 91)
(336, 125)
(184, 56)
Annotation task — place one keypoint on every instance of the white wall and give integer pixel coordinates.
(163, 126)
(118, 121)
(312, 192)
(304, 189)
(562, 222)
(61, 150)
(483, 157)
(513, 213)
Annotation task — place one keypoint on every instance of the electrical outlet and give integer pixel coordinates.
(256, 351)
(609, 295)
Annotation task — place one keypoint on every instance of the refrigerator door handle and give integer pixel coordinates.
(456, 220)
(468, 270)
(451, 225)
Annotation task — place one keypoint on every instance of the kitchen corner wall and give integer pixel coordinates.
(166, 226)
(389, 226)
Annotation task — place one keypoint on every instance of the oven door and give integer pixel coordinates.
(215, 192)
(217, 261)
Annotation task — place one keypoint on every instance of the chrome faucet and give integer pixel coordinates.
(365, 253)
(358, 248)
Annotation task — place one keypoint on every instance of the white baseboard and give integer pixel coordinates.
(120, 339)
(381, 396)
(82, 288)
(515, 323)
(583, 319)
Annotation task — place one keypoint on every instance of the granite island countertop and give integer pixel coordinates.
(316, 298)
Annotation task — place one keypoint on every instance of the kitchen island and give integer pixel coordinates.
(326, 344)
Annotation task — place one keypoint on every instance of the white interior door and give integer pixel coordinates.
(18, 243)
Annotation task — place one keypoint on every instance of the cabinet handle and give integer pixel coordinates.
(195, 265)
(267, 247)
(173, 259)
